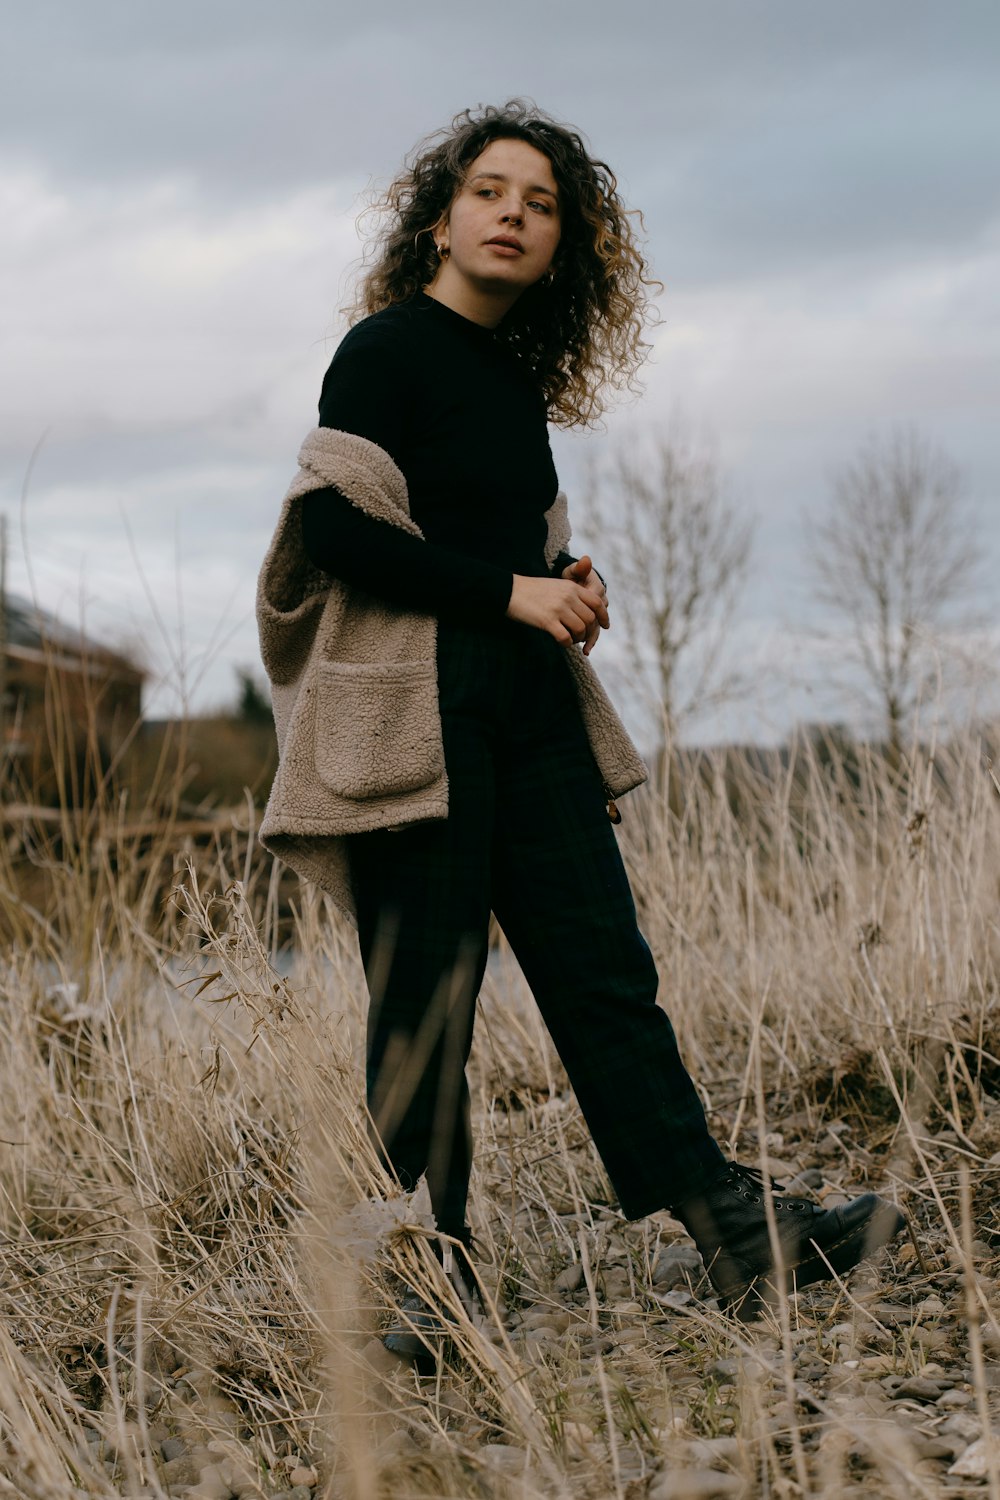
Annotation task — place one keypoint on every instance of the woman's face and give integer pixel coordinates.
(503, 227)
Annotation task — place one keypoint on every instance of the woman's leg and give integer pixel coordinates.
(423, 900)
(562, 897)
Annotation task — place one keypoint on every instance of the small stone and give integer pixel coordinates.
(597, 1343)
(963, 1426)
(304, 1476)
(975, 1461)
(569, 1280)
(676, 1265)
(674, 1298)
(211, 1485)
(811, 1178)
(172, 1448)
(300, 1492)
(930, 1307)
(710, 1453)
(577, 1436)
(724, 1369)
(917, 1388)
(951, 1399)
(932, 1447)
(504, 1457)
(542, 1334)
(556, 1319)
(695, 1484)
(185, 1468)
(933, 1340)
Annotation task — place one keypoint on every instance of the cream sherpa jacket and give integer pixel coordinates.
(354, 682)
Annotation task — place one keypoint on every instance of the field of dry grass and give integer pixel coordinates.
(198, 1246)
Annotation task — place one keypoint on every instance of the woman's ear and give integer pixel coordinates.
(439, 234)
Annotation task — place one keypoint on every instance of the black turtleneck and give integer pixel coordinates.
(466, 425)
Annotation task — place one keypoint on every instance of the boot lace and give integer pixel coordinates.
(751, 1183)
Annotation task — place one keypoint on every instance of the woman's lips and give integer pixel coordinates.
(506, 247)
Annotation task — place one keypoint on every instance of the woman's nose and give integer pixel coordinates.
(512, 216)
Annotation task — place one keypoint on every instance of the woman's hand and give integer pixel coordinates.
(583, 571)
(566, 608)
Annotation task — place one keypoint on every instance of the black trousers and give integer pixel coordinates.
(527, 836)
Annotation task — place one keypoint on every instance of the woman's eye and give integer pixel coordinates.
(543, 206)
(487, 193)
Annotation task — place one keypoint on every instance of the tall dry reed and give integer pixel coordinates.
(200, 1244)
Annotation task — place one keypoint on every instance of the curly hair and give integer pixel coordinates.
(579, 332)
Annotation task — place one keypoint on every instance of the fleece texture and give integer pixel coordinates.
(354, 682)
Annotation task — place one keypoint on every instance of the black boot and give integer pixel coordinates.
(420, 1331)
(728, 1223)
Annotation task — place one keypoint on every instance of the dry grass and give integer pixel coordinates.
(196, 1246)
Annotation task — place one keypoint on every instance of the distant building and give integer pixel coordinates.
(64, 696)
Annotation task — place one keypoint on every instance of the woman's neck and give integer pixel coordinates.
(482, 307)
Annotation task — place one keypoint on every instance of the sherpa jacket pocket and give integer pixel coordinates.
(378, 728)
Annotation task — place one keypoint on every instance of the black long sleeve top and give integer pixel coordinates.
(466, 425)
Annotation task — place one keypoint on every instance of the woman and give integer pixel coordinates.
(446, 750)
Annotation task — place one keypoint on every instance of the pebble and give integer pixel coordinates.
(725, 1369)
(953, 1398)
(932, 1447)
(211, 1485)
(597, 1343)
(917, 1388)
(577, 1436)
(504, 1457)
(674, 1298)
(708, 1453)
(934, 1340)
(676, 1266)
(892, 1314)
(811, 1178)
(569, 1280)
(303, 1476)
(556, 1318)
(631, 1336)
(695, 1484)
(540, 1334)
(172, 1448)
(963, 1426)
(186, 1468)
(617, 1286)
(974, 1462)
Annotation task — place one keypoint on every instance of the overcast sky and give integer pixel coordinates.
(178, 190)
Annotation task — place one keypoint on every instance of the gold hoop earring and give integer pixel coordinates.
(443, 251)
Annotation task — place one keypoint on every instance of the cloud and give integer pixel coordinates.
(152, 309)
(178, 186)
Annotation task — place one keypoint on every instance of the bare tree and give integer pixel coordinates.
(894, 556)
(676, 553)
